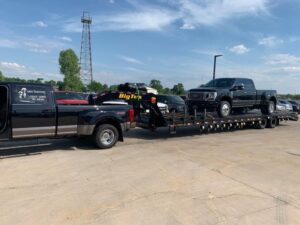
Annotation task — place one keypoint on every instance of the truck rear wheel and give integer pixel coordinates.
(224, 109)
(269, 108)
(106, 136)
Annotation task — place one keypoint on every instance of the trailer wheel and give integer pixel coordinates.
(272, 122)
(263, 123)
(106, 136)
(224, 109)
(277, 122)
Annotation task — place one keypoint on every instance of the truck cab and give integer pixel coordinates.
(30, 111)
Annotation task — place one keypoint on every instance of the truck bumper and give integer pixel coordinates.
(201, 105)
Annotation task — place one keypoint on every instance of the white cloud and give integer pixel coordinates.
(6, 43)
(151, 20)
(135, 70)
(191, 13)
(197, 13)
(67, 39)
(290, 69)
(294, 39)
(131, 60)
(207, 52)
(38, 44)
(146, 19)
(270, 41)
(13, 69)
(239, 49)
(283, 59)
(12, 66)
(187, 26)
(39, 24)
(35, 47)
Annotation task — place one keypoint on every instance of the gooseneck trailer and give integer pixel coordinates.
(150, 117)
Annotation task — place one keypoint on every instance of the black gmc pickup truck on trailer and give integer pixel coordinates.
(227, 94)
(30, 111)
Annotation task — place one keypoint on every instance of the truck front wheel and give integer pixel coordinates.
(106, 136)
(224, 109)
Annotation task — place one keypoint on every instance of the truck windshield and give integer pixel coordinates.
(220, 83)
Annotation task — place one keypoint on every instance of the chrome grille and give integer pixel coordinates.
(197, 96)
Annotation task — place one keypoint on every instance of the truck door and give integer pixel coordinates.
(4, 109)
(238, 95)
(250, 92)
(33, 111)
(245, 97)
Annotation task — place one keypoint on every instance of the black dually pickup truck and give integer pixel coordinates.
(29, 111)
(231, 94)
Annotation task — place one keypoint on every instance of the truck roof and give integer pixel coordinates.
(234, 78)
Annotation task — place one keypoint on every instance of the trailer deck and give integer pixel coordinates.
(209, 121)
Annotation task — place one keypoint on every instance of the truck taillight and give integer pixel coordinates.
(131, 115)
(153, 100)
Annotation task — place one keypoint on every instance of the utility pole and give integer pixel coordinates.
(215, 61)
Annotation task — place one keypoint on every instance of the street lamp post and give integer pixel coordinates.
(215, 60)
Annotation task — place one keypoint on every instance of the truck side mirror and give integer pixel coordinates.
(241, 86)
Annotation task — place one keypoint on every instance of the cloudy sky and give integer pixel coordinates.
(170, 40)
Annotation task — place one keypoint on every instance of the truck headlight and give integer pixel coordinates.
(211, 96)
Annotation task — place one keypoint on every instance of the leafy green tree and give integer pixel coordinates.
(60, 85)
(178, 89)
(105, 87)
(69, 67)
(15, 79)
(53, 83)
(113, 87)
(39, 80)
(2, 77)
(167, 91)
(95, 86)
(156, 84)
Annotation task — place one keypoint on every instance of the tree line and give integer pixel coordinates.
(69, 67)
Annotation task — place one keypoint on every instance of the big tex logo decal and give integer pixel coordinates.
(129, 96)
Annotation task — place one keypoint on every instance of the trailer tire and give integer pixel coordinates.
(263, 124)
(224, 109)
(105, 136)
(272, 122)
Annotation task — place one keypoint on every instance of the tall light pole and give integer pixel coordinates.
(215, 61)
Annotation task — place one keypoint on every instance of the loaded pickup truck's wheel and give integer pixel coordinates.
(224, 109)
(269, 108)
(106, 136)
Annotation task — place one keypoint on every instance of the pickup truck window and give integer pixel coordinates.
(68, 95)
(249, 85)
(221, 83)
(30, 94)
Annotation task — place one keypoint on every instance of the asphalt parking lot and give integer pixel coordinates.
(242, 177)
